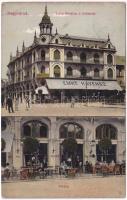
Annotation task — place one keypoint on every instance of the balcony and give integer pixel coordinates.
(41, 60)
(42, 75)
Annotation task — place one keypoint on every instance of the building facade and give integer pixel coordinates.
(51, 132)
(56, 56)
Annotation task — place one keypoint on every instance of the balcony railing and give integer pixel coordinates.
(41, 59)
(42, 75)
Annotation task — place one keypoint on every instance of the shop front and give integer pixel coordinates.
(92, 90)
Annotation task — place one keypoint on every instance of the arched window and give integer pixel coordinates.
(110, 73)
(96, 58)
(109, 59)
(57, 71)
(96, 73)
(69, 55)
(35, 128)
(83, 72)
(42, 69)
(71, 130)
(109, 46)
(43, 55)
(56, 41)
(56, 55)
(43, 131)
(26, 130)
(83, 57)
(69, 71)
(106, 131)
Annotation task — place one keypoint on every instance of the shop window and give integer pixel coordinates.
(56, 55)
(69, 55)
(57, 71)
(110, 73)
(96, 73)
(109, 59)
(69, 71)
(96, 58)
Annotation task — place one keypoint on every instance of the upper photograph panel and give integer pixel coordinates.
(63, 59)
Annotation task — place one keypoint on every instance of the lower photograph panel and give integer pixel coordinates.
(62, 149)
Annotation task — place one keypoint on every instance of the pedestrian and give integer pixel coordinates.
(2, 100)
(27, 102)
(72, 102)
(9, 104)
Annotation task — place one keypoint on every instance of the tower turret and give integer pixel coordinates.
(45, 25)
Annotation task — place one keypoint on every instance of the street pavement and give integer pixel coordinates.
(112, 186)
(62, 109)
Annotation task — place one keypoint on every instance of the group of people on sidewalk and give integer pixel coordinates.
(9, 103)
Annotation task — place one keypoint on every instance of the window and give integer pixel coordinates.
(57, 71)
(109, 46)
(96, 58)
(109, 59)
(110, 73)
(27, 130)
(56, 55)
(69, 55)
(96, 73)
(106, 131)
(83, 72)
(56, 41)
(35, 129)
(71, 130)
(69, 71)
(83, 57)
(43, 55)
(43, 131)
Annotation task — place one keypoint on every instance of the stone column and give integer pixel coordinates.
(52, 143)
(17, 148)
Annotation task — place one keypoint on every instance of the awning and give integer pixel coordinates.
(8, 138)
(67, 84)
(43, 89)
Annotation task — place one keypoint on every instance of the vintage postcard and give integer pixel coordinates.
(63, 92)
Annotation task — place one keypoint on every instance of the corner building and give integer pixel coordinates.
(60, 62)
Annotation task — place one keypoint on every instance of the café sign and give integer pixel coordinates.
(82, 84)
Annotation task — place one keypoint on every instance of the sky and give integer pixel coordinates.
(94, 20)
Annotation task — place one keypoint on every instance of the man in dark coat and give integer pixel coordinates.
(9, 104)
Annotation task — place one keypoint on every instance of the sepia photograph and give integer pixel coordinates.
(63, 90)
